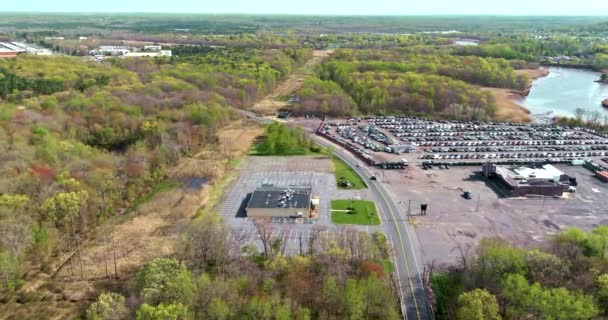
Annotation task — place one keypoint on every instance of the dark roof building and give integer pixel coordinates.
(271, 201)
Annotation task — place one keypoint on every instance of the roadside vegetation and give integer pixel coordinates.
(211, 278)
(346, 177)
(360, 212)
(281, 140)
(565, 280)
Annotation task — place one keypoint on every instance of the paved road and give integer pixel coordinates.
(405, 247)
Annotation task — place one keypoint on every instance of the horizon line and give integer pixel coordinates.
(310, 14)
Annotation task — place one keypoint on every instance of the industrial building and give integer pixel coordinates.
(126, 52)
(523, 181)
(12, 49)
(285, 202)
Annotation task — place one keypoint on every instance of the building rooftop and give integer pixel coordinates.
(547, 175)
(546, 172)
(280, 197)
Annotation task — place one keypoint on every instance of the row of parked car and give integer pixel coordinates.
(517, 148)
(357, 150)
(512, 155)
(376, 134)
(351, 134)
(511, 143)
(519, 162)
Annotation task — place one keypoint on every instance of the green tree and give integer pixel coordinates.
(353, 300)
(63, 206)
(495, 259)
(109, 306)
(173, 311)
(602, 293)
(478, 304)
(525, 300)
(165, 280)
(218, 310)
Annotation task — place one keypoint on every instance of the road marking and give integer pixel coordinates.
(403, 250)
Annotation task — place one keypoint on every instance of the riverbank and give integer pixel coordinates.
(507, 99)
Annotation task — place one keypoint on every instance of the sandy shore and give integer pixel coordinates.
(507, 99)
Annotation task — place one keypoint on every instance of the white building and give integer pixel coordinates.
(153, 48)
(110, 50)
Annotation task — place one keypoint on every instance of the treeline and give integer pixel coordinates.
(595, 120)
(76, 158)
(566, 280)
(344, 279)
(381, 82)
(524, 47)
(29, 78)
(324, 97)
(476, 70)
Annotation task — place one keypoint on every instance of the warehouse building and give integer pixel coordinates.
(524, 181)
(285, 202)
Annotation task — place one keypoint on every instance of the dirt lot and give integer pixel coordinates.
(453, 220)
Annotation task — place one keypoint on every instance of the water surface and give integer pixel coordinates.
(564, 90)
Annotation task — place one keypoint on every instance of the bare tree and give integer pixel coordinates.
(265, 230)
(15, 237)
(464, 254)
(315, 233)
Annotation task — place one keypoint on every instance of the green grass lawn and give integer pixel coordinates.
(362, 212)
(342, 170)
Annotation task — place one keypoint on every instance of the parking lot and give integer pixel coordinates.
(286, 171)
(390, 140)
(454, 221)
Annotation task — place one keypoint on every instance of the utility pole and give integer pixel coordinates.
(409, 207)
(114, 253)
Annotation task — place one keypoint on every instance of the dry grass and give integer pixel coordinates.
(508, 108)
(533, 73)
(506, 99)
(154, 230)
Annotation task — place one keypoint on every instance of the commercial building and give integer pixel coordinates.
(523, 181)
(285, 202)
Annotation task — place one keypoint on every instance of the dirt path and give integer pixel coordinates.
(272, 102)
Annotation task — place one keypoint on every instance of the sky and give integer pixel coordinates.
(324, 7)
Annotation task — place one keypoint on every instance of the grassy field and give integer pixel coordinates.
(342, 170)
(359, 212)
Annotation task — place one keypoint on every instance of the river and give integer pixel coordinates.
(564, 90)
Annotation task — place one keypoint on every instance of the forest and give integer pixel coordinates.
(83, 142)
(213, 279)
(423, 81)
(567, 279)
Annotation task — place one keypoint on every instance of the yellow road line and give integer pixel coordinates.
(403, 250)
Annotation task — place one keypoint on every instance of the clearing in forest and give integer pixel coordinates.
(274, 101)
